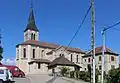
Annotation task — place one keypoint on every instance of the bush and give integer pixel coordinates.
(64, 71)
(86, 76)
(72, 74)
(81, 75)
(114, 76)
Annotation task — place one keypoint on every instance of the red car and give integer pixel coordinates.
(16, 72)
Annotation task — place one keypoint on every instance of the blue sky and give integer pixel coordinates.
(57, 21)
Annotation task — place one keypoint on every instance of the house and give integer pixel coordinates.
(111, 59)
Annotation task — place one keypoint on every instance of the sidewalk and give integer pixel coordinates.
(73, 80)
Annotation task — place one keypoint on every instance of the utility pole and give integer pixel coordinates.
(103, 53)
(93, 43)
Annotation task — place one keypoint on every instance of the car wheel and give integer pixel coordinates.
(1, 81)
(20, 75)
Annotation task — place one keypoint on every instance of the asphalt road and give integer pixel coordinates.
(22, 80)
(45, 79)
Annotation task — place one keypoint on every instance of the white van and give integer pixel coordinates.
(5, 75)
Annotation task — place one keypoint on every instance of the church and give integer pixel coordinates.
(36, 57)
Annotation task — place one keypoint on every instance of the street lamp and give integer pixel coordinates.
(103, 47)
(103, 53)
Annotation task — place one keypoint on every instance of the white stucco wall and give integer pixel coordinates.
(107, 65)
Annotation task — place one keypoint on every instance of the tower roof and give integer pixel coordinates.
(31, 22)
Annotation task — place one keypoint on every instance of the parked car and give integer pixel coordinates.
(5, 75)
(16, 72)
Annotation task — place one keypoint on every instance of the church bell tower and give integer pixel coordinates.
(31, 32)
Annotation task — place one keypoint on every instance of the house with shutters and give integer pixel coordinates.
(111, 59)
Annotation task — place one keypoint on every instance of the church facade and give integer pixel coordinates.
(34, 56)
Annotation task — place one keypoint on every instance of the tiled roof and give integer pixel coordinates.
(98, 50)
(49, 45)
(61, 61)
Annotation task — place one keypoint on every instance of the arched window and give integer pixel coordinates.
(88, 59)
(71, 57)
(34, 36)
(99, 58)
(77, 59)
(24, 53)
(33, 53)
(112, 58)
(42, 53)
(60, 55)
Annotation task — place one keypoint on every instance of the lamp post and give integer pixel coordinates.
(103, 53)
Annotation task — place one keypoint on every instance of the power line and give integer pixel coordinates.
(116, 29)
(79, 26)
(112, 26)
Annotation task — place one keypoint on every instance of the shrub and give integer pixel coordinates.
(72, 74)
(64, 71)
(82, 75)
(114, 76)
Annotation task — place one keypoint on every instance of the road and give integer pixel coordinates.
(45, 79)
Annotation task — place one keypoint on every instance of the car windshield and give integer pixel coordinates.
(1, 71)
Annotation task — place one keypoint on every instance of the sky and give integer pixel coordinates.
(57, 21)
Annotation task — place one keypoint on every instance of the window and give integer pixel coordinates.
(1, 71)
(112, 58)
(88, 59)
(99, 58)
(34, 36)
(77, 58)
(33, 53)
(100, 67)
(16, 69)
(24, 53)
(60, 55)
(42, 53)
(39, 65)
(71, 58)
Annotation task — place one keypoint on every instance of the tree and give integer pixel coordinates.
(114, 76)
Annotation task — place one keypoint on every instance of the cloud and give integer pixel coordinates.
(8, 61)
